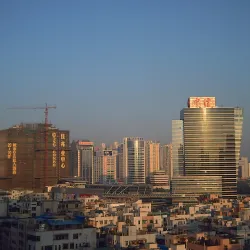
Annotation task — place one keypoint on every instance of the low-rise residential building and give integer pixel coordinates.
(218, 242)
(69, 217)
(52, 233)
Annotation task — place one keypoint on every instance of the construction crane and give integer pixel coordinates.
(46, 123)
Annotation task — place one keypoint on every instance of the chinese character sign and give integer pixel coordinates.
(85, 143)
(63, 155)
(201, 102)
(14, 148)
(9, 151)
(54, 149)
(54, 158)
(54, 139)
(63, 159)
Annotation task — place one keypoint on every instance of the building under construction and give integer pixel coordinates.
(28, 161)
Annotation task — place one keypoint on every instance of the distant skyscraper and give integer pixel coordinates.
(115, 145)
(83, 159)
(243, 171)
(166, 159)
(212, 141)
(134, 160)
(105, 166)
(177, 148)
(109, 166)
(119, 162)
(152, 157)
(98, 168)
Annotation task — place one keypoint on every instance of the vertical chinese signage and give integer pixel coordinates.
(63, 145)
(9, 150)
(54, 140)
(14, 148)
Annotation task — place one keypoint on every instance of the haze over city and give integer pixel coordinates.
(117, 69)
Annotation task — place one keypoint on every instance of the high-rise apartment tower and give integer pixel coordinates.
(152, 157)
(134, 160)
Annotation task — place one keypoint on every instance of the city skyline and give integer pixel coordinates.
(125, 125)
(206, 140)
(146, 138)
(141, 61)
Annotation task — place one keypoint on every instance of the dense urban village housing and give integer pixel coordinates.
(191, 194)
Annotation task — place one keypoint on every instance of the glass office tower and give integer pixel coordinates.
(212, 141)
(82, 154)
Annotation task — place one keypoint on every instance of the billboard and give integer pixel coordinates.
(108, 152)
(85, 195)
(201, 102)
(85, 143)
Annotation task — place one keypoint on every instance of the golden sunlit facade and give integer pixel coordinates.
(212, 142)
(12, 149)
(152, 157)
(23, 156)
(134, 160)
(54, 154)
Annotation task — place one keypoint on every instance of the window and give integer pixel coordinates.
(66, 246)
(61, 237)
(71, 246)
(33, 237)
(75, 236)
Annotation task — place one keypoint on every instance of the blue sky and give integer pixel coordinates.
(122, 68)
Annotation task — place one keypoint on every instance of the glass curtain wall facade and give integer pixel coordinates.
(134, 160)
(212, 139)
(87, 163)
(166, 159)
(196, 185)
(177, 148)
(82, 154)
